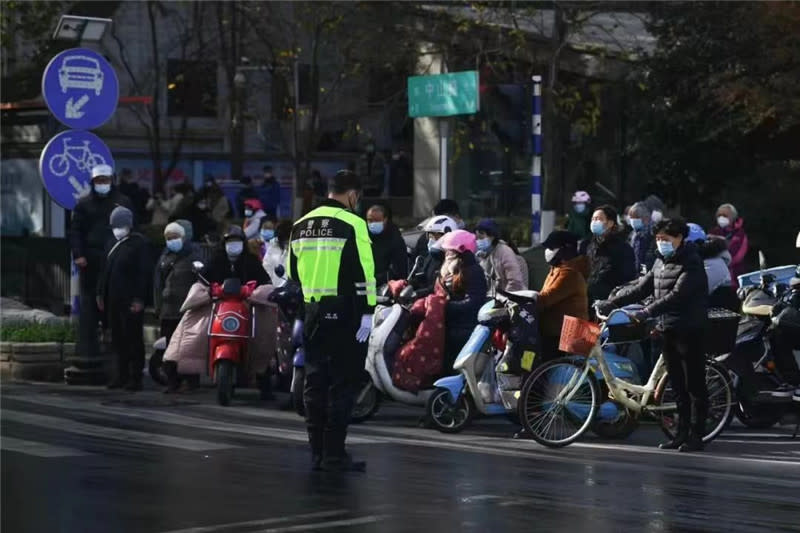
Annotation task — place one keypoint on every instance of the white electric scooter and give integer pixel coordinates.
(390, 322)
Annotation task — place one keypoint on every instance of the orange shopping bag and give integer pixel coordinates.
(578, 336)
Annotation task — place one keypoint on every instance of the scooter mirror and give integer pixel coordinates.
(197, 266)
(762, 260)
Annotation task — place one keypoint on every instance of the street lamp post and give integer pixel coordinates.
(237, 125)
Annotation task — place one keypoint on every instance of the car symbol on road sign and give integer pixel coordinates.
(80, 72)
(80, 88)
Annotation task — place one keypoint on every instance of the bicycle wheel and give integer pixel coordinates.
(557, 403)
(93, 160)
(59, 165)
(720, 402)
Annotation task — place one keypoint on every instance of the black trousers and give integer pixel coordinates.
(88, 341)
(784, 342)
(127, 337)
(686, 365)
(333, 364)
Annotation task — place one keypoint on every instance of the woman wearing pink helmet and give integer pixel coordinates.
(465, 284)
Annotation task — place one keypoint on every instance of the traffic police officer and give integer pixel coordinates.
(331, 257)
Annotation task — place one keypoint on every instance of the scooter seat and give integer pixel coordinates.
(520, 297)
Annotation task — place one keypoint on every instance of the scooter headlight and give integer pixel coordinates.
(230, 324)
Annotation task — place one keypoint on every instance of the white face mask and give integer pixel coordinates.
(234, 248)
(723, 222)
(121, 233)
(657, 216)
(549, 254)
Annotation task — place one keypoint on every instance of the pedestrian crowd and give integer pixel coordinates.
(339, 259)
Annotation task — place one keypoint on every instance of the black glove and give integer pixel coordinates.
(604, 307)
(639, 316)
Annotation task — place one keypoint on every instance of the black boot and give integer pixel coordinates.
(695, 441)
(343, 463)
(171, 371)
(316, 440)
(336, 458)
(133, 385)
(680, 436)
(265, 387)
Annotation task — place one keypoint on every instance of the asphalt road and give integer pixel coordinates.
(81, 459)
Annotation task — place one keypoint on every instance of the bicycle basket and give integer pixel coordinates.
(723, 327)
(578, 336)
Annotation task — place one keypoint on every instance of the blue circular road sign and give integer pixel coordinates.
(66, 165)
(81, 88)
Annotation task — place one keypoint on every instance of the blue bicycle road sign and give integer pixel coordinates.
(66, 165)
(81, 88)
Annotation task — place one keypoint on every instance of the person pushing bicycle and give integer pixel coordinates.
(680, 288)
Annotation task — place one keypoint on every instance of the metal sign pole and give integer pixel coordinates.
(536, 169)
(444, 131)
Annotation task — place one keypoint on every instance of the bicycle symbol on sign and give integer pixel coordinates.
(81, 155)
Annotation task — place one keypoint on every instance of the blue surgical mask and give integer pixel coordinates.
(267, 234)
(175, 245)
(375, 228)
(102, 188)
(484, 244)
(637, 223)
(597, 227)
(248, 212)
(665, 248)
(234, 248)
(580, 208)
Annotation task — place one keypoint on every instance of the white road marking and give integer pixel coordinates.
(39, 449)
(400, 435)
(189, 421)
(260, 523)
(127, 435)
(327, 525)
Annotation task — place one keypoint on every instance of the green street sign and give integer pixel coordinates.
(443, 95)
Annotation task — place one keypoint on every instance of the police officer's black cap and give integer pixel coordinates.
(343, 181)
(234, 232)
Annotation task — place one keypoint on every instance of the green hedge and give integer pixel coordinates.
(34, 332)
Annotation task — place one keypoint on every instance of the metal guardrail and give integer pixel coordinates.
(36, 271)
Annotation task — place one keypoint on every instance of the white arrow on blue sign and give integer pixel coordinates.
(80, 88)
(66, 165)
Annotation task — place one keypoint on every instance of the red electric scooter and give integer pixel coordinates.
(230, 329)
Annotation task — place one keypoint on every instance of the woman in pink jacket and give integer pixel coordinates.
(731, 226)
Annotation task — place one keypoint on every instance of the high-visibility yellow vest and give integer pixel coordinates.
(330, 254)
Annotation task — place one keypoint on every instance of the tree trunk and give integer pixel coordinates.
(551, 138)
(155, 142)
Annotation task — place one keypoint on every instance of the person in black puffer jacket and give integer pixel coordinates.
(611, 259)
(235, 261)
(121, 293)
(88, 235)
(680, 288)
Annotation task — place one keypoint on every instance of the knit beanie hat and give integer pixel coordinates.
(121, 217)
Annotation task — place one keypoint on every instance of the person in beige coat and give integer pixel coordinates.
(499, 261)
